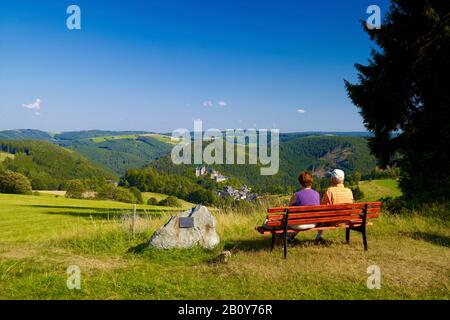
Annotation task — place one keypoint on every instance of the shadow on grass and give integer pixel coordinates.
(140, 248)
(100, 209)
(264, 244)
(187, 256)
(429, 237)
(106, 214)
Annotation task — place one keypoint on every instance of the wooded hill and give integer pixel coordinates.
(116, 151)
(120, 154)
(48, 166)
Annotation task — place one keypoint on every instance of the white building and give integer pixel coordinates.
(220, 178)
(200, 171)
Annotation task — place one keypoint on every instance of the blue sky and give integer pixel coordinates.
(157, 65)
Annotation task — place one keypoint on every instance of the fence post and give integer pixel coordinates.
(133, 220)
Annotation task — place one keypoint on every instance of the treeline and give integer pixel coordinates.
(87, 134)
(25, 134)
(151, 180)
(377, 173)
(101, 190)
(48, 166)
(199, 190)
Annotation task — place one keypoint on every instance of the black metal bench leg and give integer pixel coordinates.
(347, 235)
(286, 221)
(364, 238)
(273, 241)
(363, 226)
(285, 244)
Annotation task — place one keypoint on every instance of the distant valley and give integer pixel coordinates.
(110, 154)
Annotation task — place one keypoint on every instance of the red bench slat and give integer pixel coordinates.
(324, 207)
(275, 217)
(320, 220)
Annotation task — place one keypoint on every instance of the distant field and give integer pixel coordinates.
(376, 189)
(51, 192)
(40, 236)
(4, 156)
(163, 138)
(106, 138)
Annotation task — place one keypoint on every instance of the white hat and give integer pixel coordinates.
(338, 174)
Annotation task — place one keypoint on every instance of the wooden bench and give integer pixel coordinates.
(354, 217)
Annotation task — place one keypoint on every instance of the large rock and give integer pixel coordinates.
(203, 232)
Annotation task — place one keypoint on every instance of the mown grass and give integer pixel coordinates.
(38, 241)
(162, 138)
(119, 137)
(375, 189)
(5, 155)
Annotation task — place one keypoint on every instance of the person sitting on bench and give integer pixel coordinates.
(336, 194)
(304, 197)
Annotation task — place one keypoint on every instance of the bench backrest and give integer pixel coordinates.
(323, 213)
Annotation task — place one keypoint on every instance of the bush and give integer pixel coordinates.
(15, 183)
(137, 194)
(357, 193)
(202, 196)
(396, 205)
(152, 202)
(111, 192)
(75, 189)
(170, 201)
(124, 195)
(405, 206)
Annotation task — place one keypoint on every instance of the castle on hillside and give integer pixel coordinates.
(214, 174)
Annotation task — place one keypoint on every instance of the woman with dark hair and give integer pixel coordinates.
(306, 196)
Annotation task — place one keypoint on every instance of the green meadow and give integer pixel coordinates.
(4, 156)
(41, 236)
(107, 138)
(376, 189)
(160, 137)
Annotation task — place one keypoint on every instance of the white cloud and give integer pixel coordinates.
(301, 111)
(207, 103)
(222, 104)
(34, 106)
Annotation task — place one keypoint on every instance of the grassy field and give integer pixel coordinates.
(160, 137)
(4, 156)
(376, 189)
(40, 236)
(107, 138)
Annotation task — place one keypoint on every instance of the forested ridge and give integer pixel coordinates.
(49, 166)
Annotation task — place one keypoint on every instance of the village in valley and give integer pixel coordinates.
(243, 193)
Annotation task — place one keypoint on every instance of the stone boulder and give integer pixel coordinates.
(196, 227)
